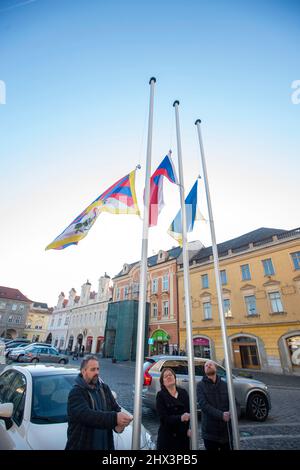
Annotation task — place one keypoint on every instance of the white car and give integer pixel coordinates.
(33, 409)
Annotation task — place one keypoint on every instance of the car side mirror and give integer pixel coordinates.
(6, 411)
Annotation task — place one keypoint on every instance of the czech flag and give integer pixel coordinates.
(166, 168)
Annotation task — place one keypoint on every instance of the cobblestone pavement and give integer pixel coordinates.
(281, 430)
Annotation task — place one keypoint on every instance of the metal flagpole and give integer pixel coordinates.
(187, 298)
(137, 411)
(233, 413)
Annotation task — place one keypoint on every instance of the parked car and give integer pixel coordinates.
(11, 342)
(251, 395)
(38, 353)
(33, 409)
(10, 347)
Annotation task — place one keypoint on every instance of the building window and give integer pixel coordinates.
(2, 304)
(59, 322)
(14, 307)
(246, 276)
(18, 319)
(268, 267)
(154, 286)
(154, 310)
(165, 282)
(227, 308)
(126, 292)
(223, 277)
(251, 304)
(204, 281)
(117, 293)
(296, 259)
(67, 320)
(52, 322)
(207, 311)
(275, 300)
(10, 319)
(21, 307)
(166, 308)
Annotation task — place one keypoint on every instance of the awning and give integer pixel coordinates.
(160, 335)
(201, 341)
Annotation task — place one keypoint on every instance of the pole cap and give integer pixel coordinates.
(176, 102)
(198, 121)
(152, 79)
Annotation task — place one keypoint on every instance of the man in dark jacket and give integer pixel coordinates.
(92, 411)
(212, 396)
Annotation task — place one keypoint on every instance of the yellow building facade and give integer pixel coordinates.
(260, 276)
(37, 322)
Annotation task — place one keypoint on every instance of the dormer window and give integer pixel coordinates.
(125, 268)
(162, 256)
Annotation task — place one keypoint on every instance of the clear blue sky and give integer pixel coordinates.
(75, 121)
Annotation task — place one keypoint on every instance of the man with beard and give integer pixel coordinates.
(92, 411)
(212, 396)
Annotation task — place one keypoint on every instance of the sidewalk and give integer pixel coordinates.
(290, 381)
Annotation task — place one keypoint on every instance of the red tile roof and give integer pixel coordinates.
(12, 294)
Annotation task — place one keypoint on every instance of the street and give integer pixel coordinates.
(281, 431)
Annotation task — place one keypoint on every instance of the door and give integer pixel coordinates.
(53, 355)
(245, 354)
(43, 355)
(237, 356)
(15, 393)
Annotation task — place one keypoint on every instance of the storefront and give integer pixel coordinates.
(99, 345)
(89, 342)
(160, 343)
(293, 345)
(245, 353)
(202, 347)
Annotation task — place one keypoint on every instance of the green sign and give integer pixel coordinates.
(160, 335)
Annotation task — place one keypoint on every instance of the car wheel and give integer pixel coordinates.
(34, 360)
(62, 361)
(19, 357)
(257, 407)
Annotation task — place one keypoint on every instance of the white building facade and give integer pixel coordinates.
(79, 321)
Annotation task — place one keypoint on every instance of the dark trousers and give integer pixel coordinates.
(213, 445)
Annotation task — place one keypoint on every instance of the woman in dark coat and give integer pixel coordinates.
(172, 406)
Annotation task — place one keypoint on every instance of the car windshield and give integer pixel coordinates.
(49, 398)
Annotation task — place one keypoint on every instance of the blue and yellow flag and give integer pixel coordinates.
(192, 214)
(120, 198)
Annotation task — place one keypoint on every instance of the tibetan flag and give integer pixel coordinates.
(166, 169)
(192, 214)
(120, 198)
